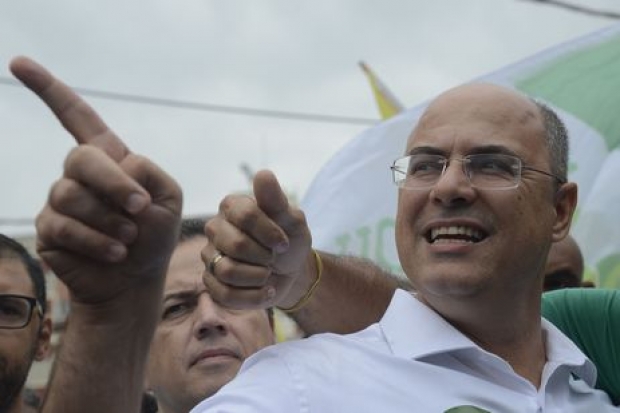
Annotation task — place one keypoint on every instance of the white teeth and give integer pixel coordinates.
(455, 230)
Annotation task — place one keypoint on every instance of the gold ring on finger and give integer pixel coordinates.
(213, 262)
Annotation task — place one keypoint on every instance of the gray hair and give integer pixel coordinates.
(556, 135)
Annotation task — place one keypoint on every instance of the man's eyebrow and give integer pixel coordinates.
(492, 149)
(176, 295)
(426, 150)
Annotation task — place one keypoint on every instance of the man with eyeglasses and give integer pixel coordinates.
(25, 331)
(483, 195)
(422, 170)
(107, 231)
(471, 337)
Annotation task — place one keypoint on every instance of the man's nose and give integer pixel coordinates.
(210, 317)
(453, 186)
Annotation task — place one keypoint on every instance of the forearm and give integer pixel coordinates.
(101, 362)
(352, 294)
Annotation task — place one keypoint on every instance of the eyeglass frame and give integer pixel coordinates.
(466, 160)
(32, 304)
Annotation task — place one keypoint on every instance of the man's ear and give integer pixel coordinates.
(565, 205)
(44, 339)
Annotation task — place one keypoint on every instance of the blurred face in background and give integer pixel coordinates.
(198, 346)
(564, 267)
(19, 347)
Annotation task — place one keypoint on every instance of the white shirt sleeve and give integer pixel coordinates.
(265, 383)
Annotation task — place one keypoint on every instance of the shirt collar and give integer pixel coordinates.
(562, 351)
(413, 331)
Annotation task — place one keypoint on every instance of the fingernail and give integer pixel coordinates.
(271, 292)
(135, 203)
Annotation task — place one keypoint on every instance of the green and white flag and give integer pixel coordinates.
(351, 204)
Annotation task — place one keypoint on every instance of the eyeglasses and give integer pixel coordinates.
(484, 171)
(16, 310)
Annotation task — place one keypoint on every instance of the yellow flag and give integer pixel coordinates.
(388, 105)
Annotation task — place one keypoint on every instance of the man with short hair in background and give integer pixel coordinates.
(25, 331)
(564, 268)
(198, 345)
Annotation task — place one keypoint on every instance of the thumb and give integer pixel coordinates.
(270, 197)
(272, 200)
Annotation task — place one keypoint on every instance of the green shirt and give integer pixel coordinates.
(591, 318)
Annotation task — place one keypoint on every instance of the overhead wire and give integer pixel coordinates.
(182, 104)
(578, 8)
(208, 107)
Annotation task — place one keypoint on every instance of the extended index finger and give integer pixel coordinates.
(77, 116)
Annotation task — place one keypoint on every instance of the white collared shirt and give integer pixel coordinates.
(411, 361)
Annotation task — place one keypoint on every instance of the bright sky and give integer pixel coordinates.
(279, 55)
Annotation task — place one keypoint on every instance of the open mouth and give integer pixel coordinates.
(455, 234)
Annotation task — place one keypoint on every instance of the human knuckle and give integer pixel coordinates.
(299, 216)
(240, 244)
(205, 255)
(84, 110)
(222, 294)
(175, 191)
(235, 207)
(60, 230)
(41, 224)
(247, 217)
(74, 155)
(52, 230)
(63, 192)
(138, 159)
(209, 281)
(138, 162)
(78, 156)
(226, 273)
(210, 228)
(228, 202)
(243, 278)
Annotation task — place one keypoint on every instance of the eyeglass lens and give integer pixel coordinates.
(15, 311)
(482, 170)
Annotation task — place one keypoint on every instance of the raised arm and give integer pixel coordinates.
(352, 294)
(267, 260)
(107, 231)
